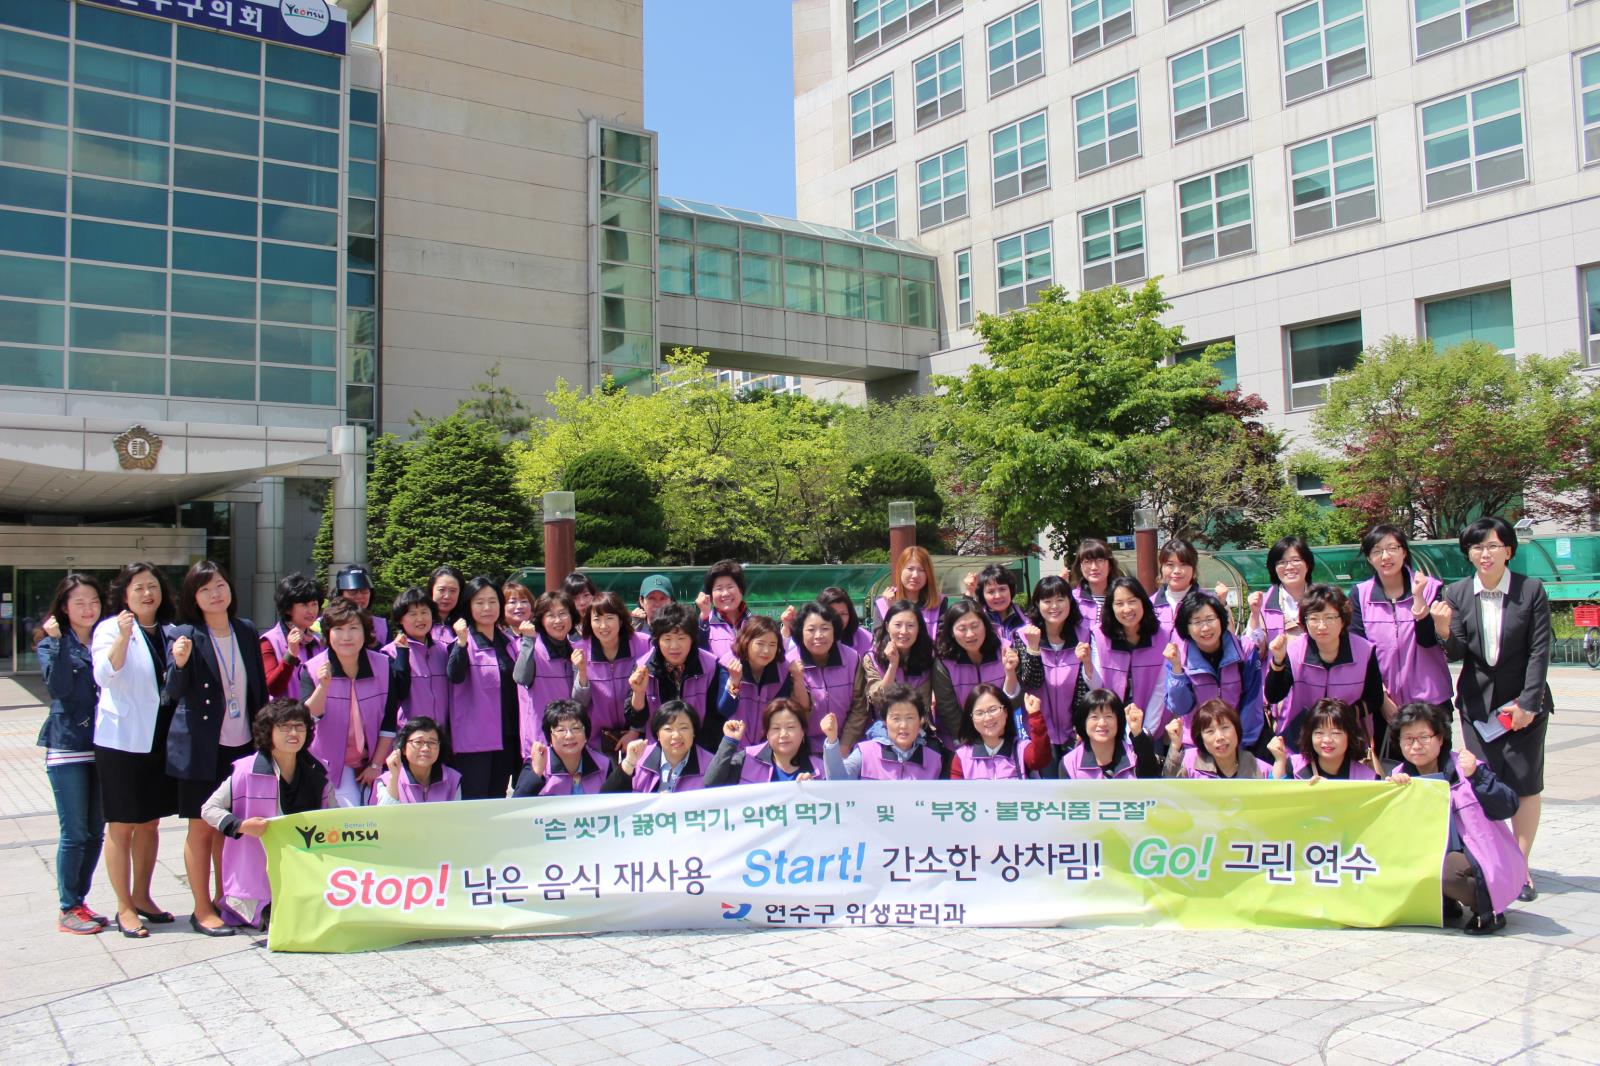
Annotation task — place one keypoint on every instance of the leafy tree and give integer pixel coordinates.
(618, 512)
(888, 476)
(322, 546)
(491, 402)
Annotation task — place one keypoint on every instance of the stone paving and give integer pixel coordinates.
(818, 996)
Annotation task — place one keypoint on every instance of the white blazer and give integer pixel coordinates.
(125, 718)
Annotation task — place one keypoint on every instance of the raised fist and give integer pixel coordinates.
(537, 754)
(324, 670)
(830, 728)
(1442, 614)
(461, 628)
(1082, 652)
(1255, 600)
(580, 660)
(1030, 638)
(969, 584)
(639, 680)
(1279, 750)
(181, 648)
(295, 637)
(797, 671)
(401, 640)
(634, 752)
(1175, 732)
(393, 761)
(1419, 586)
(1135, 715)
(733, 728)
(703, 602)
(51, 627)
(786, 619)
(1279, 647)
(1466, 763)
(527, 629)
(1170, 653)
(126, 620)
(1010, 659)
(1222, 593)
(1032, 704)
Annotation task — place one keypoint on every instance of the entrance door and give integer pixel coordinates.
(8, 606)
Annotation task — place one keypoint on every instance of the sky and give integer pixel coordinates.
(719, 90)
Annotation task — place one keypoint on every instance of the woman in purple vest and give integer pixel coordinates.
(1094, 567)
(1127, 649)
(355, 703)
(852, 634)
(547, 667)
(1483, 866)
(901, 754)
(416, 770)
(784, 756)
(914, 580)
(289, 645)
(582, 592)
(353, 583)
(674, 763)
(484, 713)
(757, 676)
(995, 587)
(967, 653)
(1114, 743)
(989, 746)
(1206, 746)
(1333, 744)
(1289, 566)
(420, 657)
(444, 588)
(1048, 649)
(1391, 609)
(280, 777)
(565, 764)
(1325, 660)
(674, 669)
(722, 609)
(1205, 662)
(827, 668)
(601, 679)
(901, 654)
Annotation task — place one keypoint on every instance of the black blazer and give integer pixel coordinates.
(1524, 660)
(197, 690)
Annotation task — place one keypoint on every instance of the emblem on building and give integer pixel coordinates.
(137, 449)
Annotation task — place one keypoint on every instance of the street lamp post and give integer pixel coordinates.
(1144, 547)
(902, 529)
(560, 521)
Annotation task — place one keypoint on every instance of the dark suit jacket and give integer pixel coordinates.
(1519, 674)
(202, 701)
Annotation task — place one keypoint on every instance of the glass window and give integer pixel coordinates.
(1334, 181)
(883, 299)
(1443, 23)
(123, 72)
(30, 368)
(212, 381)
(282, 262)
(625, 348)
(300, 224)
(210, 88)
(628, 147)
(709, 231)
(1016, 49)
(1473, 142)
(211, 339)
(361, 326)
(33, 146)
(296, 145)
(872, 117)
(129, 203)
(802, 284)
(1591, 291)
(1214, 216)
(761, 240)
(677, 227)
(33, 188)
(807, 248)
(1021, 158)
(119, 159)
(120, 115)
(361, 216)
(294, 104)
(358, 403)
(876, 24)
(224, 133)
(213, 173)
(33, 279)
(842, 255)
(363, 106)
(617, 312)
(676, 267)
(118, 287)
(1316, 354)
(1113, 244)
(37, 100)
(361, 253)
(714, 273)
(938, 90)
(1227, 366)
(942, 188)
(308, 68)
(964, 287)
(363, 142)
(758, 279)
(920, 312)
(624, 179)
(1589, 106)
(844, 296)
(46, 16)
(1324, 46)
(362, 363)
(1106, 123)
(213, 255)
(313, 188)
(1208, 87)
(1183, 7)
(873, 206)
(219, 50)
(120, 331)
(216, 213)
(1097, 24)
(124, 31)
(39, 234)
(91, 372)
(23, 53)
(1023, 268)
(363, 179)
(213, 296)
(302, 347)
(287, 385)
(1477, 316)
(880, 261)
(361, 290)
(117, 244)
(289, 303)
(30, 323)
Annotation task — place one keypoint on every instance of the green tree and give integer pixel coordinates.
(457, 502)
(491, 402)
(887, 476)
(322, 546)
(617, 509)
(388, 459)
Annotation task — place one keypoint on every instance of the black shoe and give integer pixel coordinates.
(1528, 893)
(1481, 926)
(155, 917)
(194, 923)
(1452, 910)
(136, 933)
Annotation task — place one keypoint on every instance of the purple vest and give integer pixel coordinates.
(647, 775)
(309, 646)
(964, 677)
(754, 697)
(720, 635)
(930, 615)
(757, 767)
(1088, 609)
(244, 860)
(475, 702)
(333, 729)
(442, 784)
(1207, 686)
(1138, 675)
(695, 686)
(878, 765)
(832, 687)
(443, 634)
(1061, 669)
(558, 780)
(1079, 764)
(1313, 682)
(380, 630)
(608, 686)
(1007, 626)
(1491, 844)
(1300, 767)
(430, 688)
(1192, 767)
(1410, 671)
(861, 640)
(1166, 610)
(1272, 617)
(1002, 766)
(552, 680)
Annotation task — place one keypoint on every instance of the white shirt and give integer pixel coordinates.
(1491, 610)
(125, 717)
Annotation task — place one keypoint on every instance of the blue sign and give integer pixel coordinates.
(314, 24)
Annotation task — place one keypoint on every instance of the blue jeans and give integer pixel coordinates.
(83, 826)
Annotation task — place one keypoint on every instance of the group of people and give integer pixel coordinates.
(478, 688)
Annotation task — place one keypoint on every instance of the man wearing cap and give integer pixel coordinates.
(355, 585)
(655, 592)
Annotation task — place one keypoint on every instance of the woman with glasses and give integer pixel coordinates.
(1205, 662)
(565, 764)
(1391, 609)
(1324, 661)
(1497, 625)
(416, 770)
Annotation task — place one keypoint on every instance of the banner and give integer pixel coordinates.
(316, 24)
(842, 854)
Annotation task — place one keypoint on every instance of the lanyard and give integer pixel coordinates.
(230, 668)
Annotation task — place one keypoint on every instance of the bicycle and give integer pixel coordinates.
(1587, 618)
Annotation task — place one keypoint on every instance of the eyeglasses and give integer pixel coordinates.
(424, 745)
(568, 731)
(291, 727)
(1389, 549)
(1484, 549)
(1208, 622)
(1418, 740)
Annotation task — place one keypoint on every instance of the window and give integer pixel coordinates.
(1227, 366)
(1183, 7)
(873, 206)
(1208, 87)
(1477, 316)
(1021, 158)
(876, 24)
(1016, 49)
(1318, 352)
(1591, 294)
(1106, 123)
(1473, 142)
(938, 85)
(1443, 23)
(1589, 106)
(942, 188)
(1324, 46)
(1214, 216)
(1334, 182)
(1097, 24)
(1022, 268)
(872, 117)
(1113, 244)
(964, 293)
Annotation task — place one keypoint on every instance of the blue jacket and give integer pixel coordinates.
(68, 671)
(194, 740)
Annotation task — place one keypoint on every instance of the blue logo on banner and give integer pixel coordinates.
(305, 23)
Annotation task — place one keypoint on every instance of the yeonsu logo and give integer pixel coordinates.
(317, 838)
(308, 18)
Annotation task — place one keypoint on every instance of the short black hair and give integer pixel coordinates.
(945, 647)
(968, 732)
(415, 596)
(1435, 716)
(67, 586)
(165, 611)
(280, 712)
(1284, 547)
(834, 596)
(341, 612)
(993, 573)
(1383, 529)
(1098, 699)
(1052, 587)
(295, 589)
(564, 710)
(890, 695)
(1148, 623)
(1337, 713)
(1181, 550)
(422, 724)
(664, 714)
(1194, 601)
(1477, 532)
(728, 568)
(674, 616)
(199, 576)
(815, 610)
(470, 591)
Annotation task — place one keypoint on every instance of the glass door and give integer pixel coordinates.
(8, 606)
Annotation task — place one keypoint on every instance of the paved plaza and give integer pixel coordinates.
(822, 997)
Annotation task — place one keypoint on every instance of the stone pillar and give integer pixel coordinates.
(902, 533)
(349, 499)
(560, 529)
(269, 548)
(1144, 548)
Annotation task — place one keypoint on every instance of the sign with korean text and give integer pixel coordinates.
(318, 24)
(846, 855)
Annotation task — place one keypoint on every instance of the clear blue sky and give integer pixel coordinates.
(719, 89)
